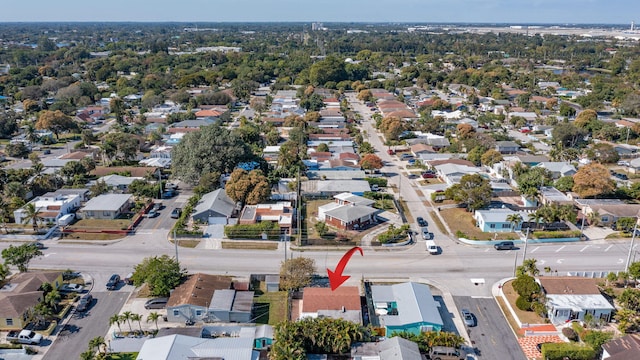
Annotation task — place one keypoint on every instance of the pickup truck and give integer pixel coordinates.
(24, 337)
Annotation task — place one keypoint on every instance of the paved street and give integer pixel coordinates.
(74, 339)
(492, 336)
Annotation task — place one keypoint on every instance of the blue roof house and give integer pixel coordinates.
(406, 307)
(495, 220)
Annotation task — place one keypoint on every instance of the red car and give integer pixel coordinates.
(428, 175)
(390, 152)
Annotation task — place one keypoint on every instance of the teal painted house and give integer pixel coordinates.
(406, 307)
(263, 337)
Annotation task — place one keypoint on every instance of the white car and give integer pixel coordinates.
(71, 288)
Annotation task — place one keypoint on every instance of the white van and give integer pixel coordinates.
(432, 248)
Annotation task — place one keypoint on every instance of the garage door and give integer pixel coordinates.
(217, 220)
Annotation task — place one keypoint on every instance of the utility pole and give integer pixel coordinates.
(298, 212)
(524, 254)
(175, 243)
(633, 237)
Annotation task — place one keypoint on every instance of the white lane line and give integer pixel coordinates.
(561, 247)
(608, 247)
(584, 248)
(536, 249)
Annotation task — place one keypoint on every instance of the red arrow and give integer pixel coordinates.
(335, 277)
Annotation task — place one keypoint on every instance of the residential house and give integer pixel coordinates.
(571, 298)
(162, 152)
(608, 212)
(189, 125)
(437, 142)
(451, 173)
(324, 188)
(348, 212)
(215, 207)
(106, 206)
(50, 207)
(551, 195)
(341, 303)
(270, 154)
(336, 175)
(22, 292)
(495, 220)
(118, 182)
(395, 348)
(135, 171)
(624, 348)
(405, 307)
(178, 347)
(229, 305)
(419, 148)
(558, 169)
(193, 298)
(507, 147)
(281, 213)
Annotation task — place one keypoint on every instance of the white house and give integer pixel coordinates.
(571, 298)
(50, 207)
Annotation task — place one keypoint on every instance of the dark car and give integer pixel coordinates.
(421, 221)
(156, 303)
(85, 303)
(175, 213)
(428, 175)
(504, 245)
(113, 282)
(169, 194)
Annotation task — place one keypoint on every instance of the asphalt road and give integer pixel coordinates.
(492, 336)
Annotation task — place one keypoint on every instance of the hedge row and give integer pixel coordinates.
(560, 351)
(253, 231)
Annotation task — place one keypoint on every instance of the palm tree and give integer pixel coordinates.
(115, 319)
(535, 217)
(138, 318)
(126, 317)
(594, 218)
(31, 215)
(96, 342)
(153, 316)
(52, 299)
(87, 355)
(515, 220)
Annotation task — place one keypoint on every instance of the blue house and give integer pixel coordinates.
(495, 220)
(405, 307)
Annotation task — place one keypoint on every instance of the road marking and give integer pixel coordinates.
(620, 261)
(482, 297)
(486, 250)
(608, 247)
(559, 261)
(541, 262)
(584, 248)
(144, 232)
(47, 255)
(536, 249)
(561, 247)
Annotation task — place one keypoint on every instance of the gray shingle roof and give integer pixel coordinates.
(217, 201)
(107, 202)
(349, 213)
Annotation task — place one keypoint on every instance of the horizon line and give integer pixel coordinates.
(303, 22)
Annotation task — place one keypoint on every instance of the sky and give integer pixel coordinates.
(424, 11)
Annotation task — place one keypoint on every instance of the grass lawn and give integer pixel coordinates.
(460, 220)
(438, 223)
(253, 245)
(271, 308)
(92, 236)
(526, 317)
(122, 356)
(334, 237)
(187, 243)
(101, 224)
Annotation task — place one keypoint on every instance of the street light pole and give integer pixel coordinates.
(526, 237)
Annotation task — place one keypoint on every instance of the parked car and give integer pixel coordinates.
(504, 245)
(128, 279)
(169, 194)
(156, 303)
(68, 288)
(447, 353)
(28, 337)
(425, 232)
(113, 282)
(406, 156)
(623, 163)
(85, 303)
(421, 221)
(428, 175)
(38, 245)
(390, 152)
(176, 212)
(151, 214)
(157, 206)
(467, 317)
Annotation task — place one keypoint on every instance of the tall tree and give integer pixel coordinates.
(248, 187)
(296, 273)
(212, 149)
(371, 162)
(160, 273)
(473, 190)
(20, 256)
(55, 121)
(593, 180)
(31, 215)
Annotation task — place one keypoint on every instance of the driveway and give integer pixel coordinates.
(81, 328)
(492, 336)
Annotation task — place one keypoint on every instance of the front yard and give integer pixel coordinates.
(462, 224)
